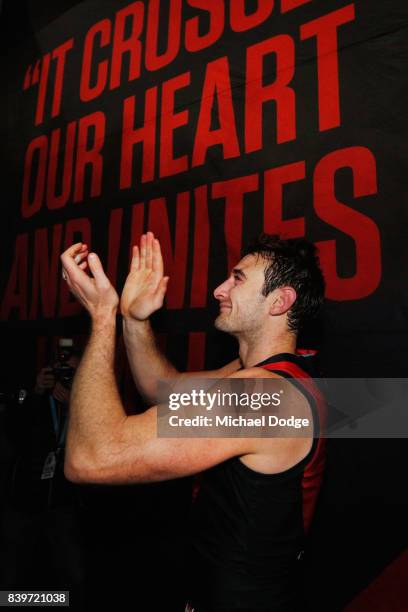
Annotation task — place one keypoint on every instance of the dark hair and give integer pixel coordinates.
(294, 263)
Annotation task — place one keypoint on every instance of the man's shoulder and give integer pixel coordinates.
(254, 372)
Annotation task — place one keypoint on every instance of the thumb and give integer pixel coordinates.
(96, 268)
(162, 287)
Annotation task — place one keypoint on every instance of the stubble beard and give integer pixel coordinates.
(233, 325)
(221, 323)
(243, 322)
(225, 323)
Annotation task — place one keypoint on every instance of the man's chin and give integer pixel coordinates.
(221, 323)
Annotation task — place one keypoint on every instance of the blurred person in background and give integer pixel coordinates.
(42, 544)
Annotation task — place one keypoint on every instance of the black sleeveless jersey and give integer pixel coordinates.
(248, 528)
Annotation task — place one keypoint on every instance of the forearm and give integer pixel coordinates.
(96, 411)
(147, 363)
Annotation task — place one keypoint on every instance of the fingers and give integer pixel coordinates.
(48, 383)
(81, 260)
(75, 249)
(95, 266)
(143, 251)
(72, 259)
(45, 378)
(149, 250)
(162, 287)
(94, 291)
(60, 393)
(135, 263)
(80, 257)
(144, 256)
(157, 261)
(77, 258)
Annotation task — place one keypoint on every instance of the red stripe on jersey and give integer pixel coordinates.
(313, 472)
(306, 352)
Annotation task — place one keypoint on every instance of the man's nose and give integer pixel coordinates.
(222, 291)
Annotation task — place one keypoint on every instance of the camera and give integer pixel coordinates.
(63, 372)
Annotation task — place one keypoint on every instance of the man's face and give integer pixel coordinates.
(243, 308)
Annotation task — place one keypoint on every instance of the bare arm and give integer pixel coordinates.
(142, 295)
(104, 445)
(147, 363)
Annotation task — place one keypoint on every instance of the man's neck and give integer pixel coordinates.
(251, 353)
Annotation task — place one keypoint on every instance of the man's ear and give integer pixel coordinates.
(283, 299)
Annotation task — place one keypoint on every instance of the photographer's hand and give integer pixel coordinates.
(94, 292)
(61, 393)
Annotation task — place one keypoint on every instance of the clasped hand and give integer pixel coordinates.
(143, 292)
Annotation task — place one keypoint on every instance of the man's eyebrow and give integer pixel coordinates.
(239, 272)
